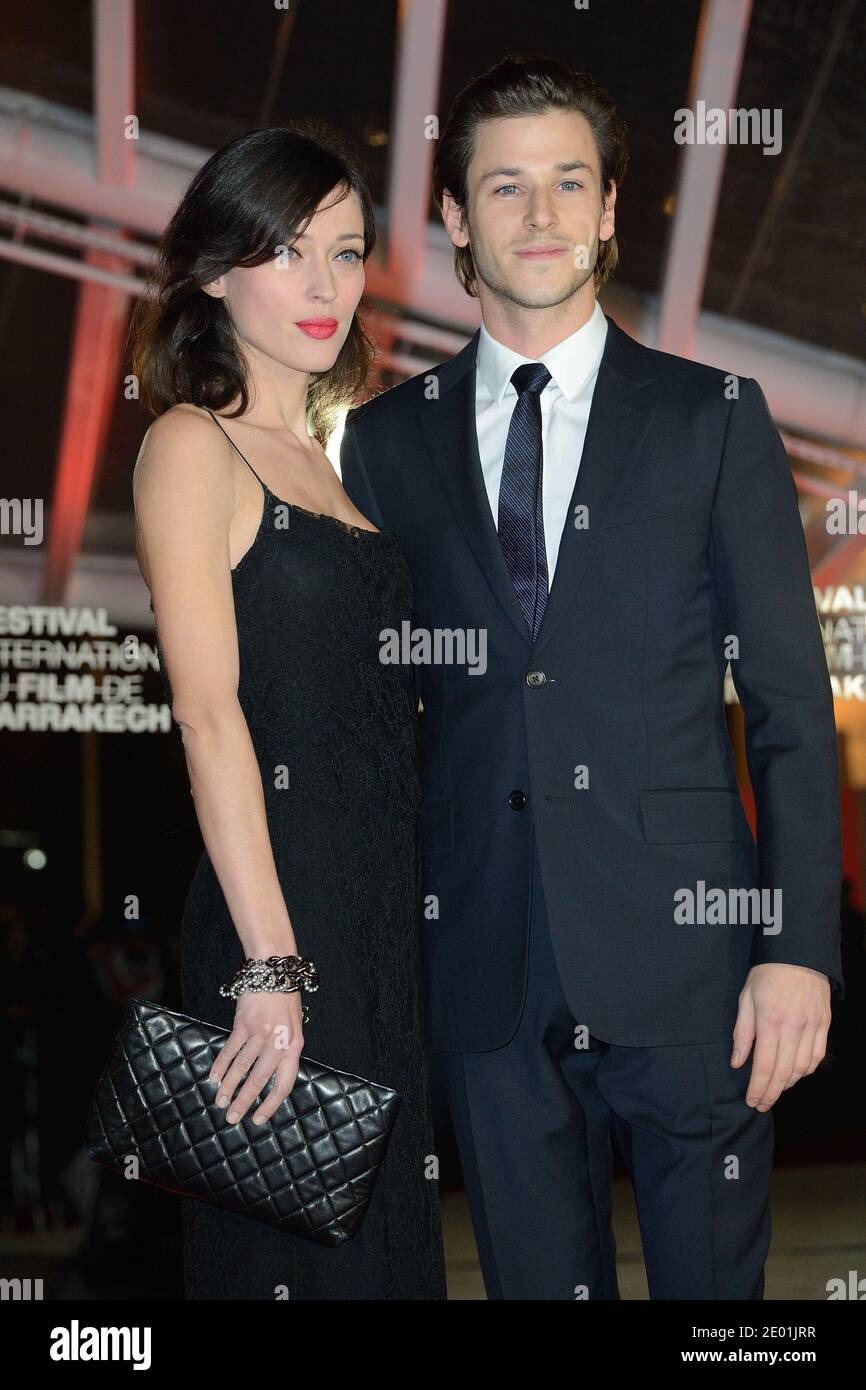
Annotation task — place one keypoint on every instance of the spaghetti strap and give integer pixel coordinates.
(234, 446)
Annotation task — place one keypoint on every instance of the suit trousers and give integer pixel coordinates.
(533, 1122)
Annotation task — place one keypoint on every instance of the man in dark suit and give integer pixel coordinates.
(604, 944)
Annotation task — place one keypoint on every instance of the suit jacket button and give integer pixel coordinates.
(535, 678)
(517, 800)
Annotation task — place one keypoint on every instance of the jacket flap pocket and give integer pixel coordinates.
(647, 508)
(680, 815)
(437, 825)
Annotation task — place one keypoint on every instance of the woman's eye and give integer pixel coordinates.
(349, 252)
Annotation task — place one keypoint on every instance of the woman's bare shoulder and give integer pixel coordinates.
(185, 452)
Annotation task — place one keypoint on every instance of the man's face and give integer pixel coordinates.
(535, 214)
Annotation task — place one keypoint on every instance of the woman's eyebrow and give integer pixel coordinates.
(344, 236)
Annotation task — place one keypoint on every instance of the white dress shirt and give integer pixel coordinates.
(565, 401)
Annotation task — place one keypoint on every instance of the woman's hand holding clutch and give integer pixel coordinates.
(266, 1041)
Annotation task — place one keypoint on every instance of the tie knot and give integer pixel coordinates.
(531, 376)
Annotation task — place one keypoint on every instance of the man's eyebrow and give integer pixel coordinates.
(565, 167)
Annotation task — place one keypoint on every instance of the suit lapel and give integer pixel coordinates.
(449, 427)
(618, 419)
(622, 403)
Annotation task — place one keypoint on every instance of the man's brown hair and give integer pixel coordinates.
(527, 86)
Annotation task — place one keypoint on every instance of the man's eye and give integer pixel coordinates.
(571, 183)
(506, 186)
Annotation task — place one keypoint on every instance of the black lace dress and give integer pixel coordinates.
(334, 730)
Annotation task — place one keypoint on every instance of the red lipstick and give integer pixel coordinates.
(318, 328)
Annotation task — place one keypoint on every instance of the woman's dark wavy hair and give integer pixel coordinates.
(256, 193)
(527, 86)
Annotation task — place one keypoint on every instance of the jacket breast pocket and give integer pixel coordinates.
(437, 826)
(693, 815)
(650, 507)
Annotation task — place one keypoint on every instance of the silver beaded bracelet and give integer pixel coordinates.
(274, 975)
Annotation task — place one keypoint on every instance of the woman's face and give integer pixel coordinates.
(295, 310)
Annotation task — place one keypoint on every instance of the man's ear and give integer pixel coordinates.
(607, 225)
(452, 216)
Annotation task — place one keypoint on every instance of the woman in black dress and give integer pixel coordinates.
(270, 592)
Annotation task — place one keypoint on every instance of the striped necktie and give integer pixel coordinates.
(521, 516)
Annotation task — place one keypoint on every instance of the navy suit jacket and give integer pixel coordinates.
(691, 536)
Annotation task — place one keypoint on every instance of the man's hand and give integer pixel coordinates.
(785, 1011)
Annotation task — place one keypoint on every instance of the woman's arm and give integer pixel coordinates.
(185, 498)
(184, 494)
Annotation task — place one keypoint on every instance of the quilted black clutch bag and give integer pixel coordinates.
(310, 1169)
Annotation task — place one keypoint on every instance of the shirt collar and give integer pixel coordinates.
(570, 362)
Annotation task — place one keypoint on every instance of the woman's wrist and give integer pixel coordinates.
(262, 947)
(265, 940)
